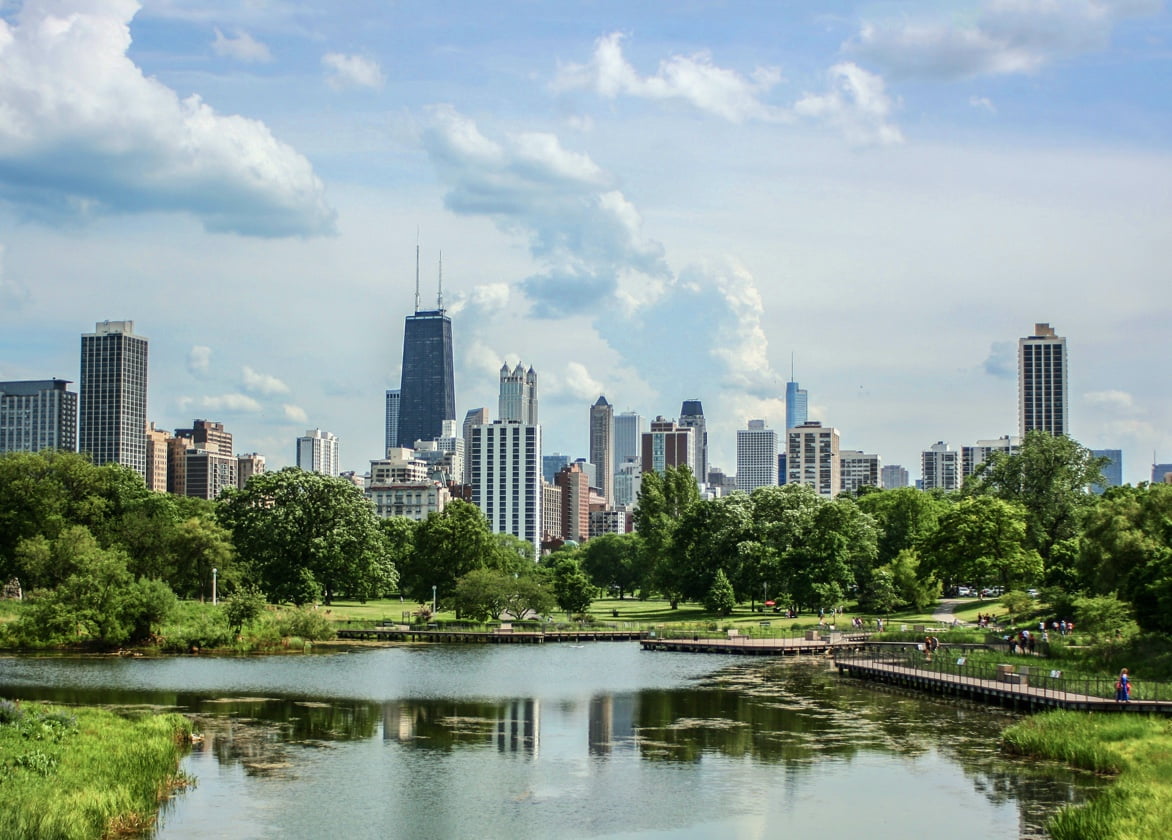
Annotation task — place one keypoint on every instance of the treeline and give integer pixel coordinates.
(102, 558)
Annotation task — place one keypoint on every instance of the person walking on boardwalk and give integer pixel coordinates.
(1123, 688)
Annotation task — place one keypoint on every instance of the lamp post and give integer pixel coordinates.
(433, 602)
(214, 572)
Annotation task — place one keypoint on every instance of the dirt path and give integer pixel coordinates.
(944, 610)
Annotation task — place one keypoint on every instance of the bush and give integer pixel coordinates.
(306, 623)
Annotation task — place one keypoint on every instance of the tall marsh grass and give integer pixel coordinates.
(83, 774)
(1136, 749)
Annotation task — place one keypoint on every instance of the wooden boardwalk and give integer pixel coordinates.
(750, 646)
(1017, 696)
(511, 637)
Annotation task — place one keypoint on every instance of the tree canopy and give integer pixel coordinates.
(305, 535)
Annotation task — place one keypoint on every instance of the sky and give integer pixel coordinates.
(653, 201)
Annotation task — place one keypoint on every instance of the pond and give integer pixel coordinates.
(601, 740)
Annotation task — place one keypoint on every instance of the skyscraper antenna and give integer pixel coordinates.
(417, 270)
(791, 366)
(440, 297)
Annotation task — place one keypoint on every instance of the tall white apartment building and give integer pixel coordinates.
(973, 456)
(1042, 401)
(317, 451)
(506, 479)
(812, 458)
(859, 469)
(111, 420)
(627, 483)
(940, 467)
(756, 457)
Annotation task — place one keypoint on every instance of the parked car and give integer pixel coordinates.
(964, 592)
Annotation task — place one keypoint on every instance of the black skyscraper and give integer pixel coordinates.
(427, 394)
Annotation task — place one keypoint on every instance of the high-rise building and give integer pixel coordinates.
(797, 405)
(112, 421)
(1041, 382)
(1160, 473)
(575, 487)
(813, 458)
(893, 477)
(627, 482)
(551, 465)
(506, 479)
(427, 390)
(209, 472)
(1112, 472)
(858, 470)
(392, 419)
(247, 465)
(756, 457)
(158, 458)
(37, 414)
(668, 445)
(692, 417)
(518, 395)
(444, 455)
(602, 446)
(177, 447)
(628, 436)
(973, 456)
(474, 417)
(552, 528)
(208, 434)
(317, 451)
(940, 467)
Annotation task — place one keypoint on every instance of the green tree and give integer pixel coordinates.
(243, 606)
(905, 517)
(482, 594)
(707, 541)
(1103, 616)
(982, 539)
(97, 599)
(1050, 479)
(663, 500)
(1126, 548)
(304, 533)
(448, 545)
(43, 493)
(613, 562)
(572, 587)
(915, 587)
(720, 597)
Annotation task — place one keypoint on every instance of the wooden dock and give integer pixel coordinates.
(1014, 695)
(752, 646)
(509, 637)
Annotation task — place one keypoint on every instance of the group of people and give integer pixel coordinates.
(1024, 642)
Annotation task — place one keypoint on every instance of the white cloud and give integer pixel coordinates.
(577, 383)
(690, 78)
(1119, 402)
(1005, 37)
(199, 360)
(1002, 360)
(983, 103)
(481, 300)
(84, 131)
(241, 47)
(480, 358)
(227, 403)
(295, 413)
(857, 103)
(352, 71)
(262, 383)
(582, 229)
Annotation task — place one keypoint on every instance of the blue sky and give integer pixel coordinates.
(654, 201)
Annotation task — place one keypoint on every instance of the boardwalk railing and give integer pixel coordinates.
(1044, 677)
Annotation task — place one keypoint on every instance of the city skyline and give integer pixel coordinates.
(656, 205)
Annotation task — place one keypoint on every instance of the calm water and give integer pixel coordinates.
(595, 741)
